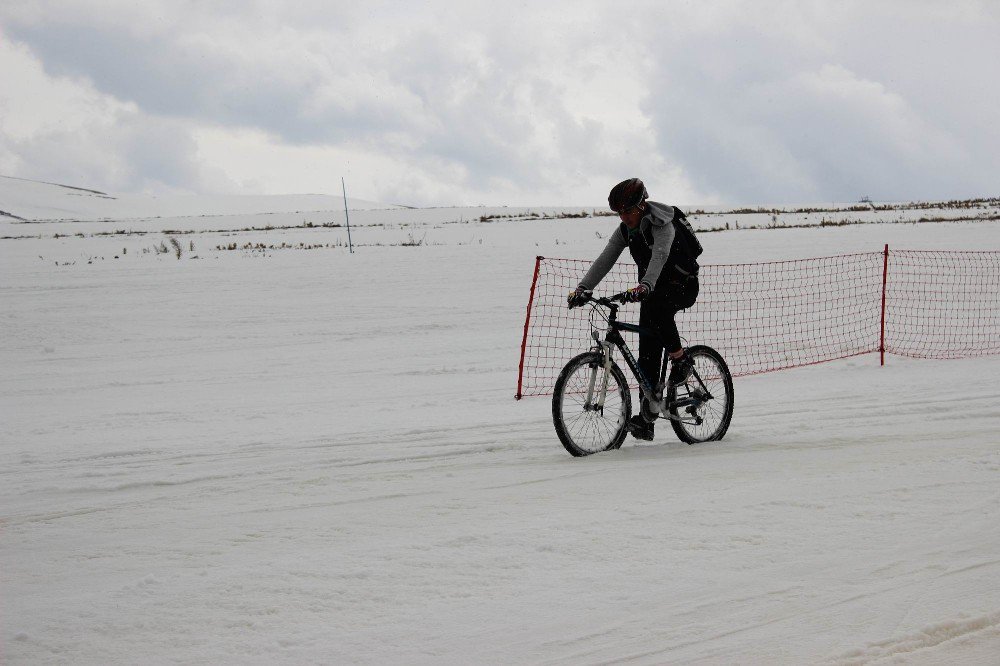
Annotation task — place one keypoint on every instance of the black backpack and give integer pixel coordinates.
(686, 248)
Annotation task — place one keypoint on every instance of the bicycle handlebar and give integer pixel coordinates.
(607, 301)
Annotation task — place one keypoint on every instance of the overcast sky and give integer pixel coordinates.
(449, 103)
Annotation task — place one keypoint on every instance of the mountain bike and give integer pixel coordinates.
(592, 402)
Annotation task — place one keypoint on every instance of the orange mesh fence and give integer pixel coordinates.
(770, 316)
(942, 304)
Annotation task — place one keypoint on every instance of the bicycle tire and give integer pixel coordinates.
(714, 372)
(584, 432)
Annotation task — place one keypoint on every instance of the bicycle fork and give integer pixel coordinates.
(604, 370)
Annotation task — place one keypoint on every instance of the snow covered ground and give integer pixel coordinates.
(306, 456)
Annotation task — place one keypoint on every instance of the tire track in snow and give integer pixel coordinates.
(984, 627)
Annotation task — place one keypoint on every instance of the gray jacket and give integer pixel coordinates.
(659, 221)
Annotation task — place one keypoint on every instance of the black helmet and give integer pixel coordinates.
(626, 194)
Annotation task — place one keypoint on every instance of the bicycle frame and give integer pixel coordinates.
(613, 338)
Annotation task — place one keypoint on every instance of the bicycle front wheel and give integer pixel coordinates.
(583, 428)
(701, 407)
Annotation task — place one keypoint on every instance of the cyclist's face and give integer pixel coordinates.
(632, 216)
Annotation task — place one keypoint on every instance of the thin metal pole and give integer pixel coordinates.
(347, 216)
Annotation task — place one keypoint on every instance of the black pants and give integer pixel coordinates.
(656, 313)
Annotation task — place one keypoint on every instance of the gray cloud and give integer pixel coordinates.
(433, 89)
(804, 105)
(744, 102)
(136, 156)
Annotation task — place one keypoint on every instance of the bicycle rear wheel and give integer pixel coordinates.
(582, 429)
(702, 406)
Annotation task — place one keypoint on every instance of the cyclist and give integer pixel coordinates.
(665, 250)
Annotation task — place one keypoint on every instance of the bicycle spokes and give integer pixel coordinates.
(701, 407)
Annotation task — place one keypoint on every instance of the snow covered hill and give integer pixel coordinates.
(38, 201)
(286, 453)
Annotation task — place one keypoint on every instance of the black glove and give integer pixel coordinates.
(578, 297)
(636, 294)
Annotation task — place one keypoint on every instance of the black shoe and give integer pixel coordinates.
(640, 428)
(680, 369)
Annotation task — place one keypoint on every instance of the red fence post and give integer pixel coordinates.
(527, 319)
(885, 275)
